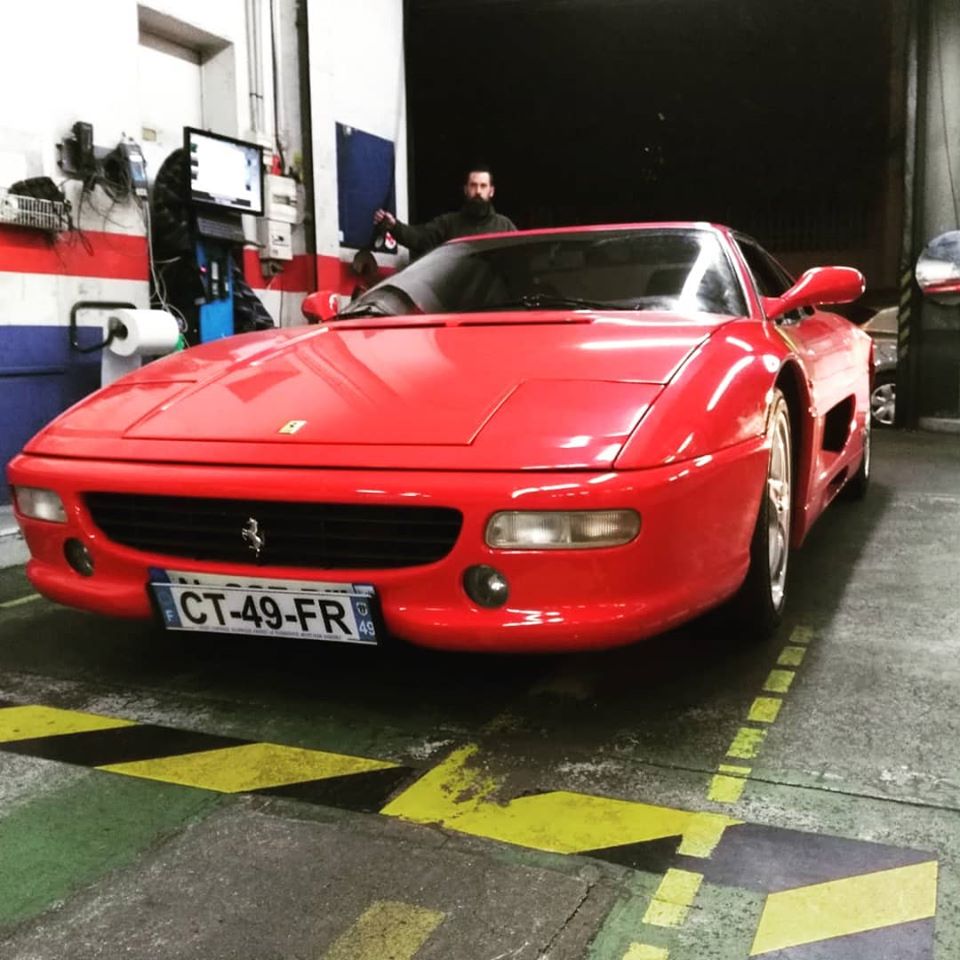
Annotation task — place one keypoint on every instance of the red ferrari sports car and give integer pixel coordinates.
(545, 440)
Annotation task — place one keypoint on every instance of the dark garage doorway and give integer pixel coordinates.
(779, 117)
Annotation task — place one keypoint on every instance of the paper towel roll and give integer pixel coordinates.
(148, 332)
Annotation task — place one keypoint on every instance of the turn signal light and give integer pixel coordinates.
(38, 504)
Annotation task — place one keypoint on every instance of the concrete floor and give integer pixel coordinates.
(538, 807)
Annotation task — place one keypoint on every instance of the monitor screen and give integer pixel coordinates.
(224, 172)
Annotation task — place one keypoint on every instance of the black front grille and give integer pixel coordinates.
(319, 535)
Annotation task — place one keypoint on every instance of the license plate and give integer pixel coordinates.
(341, 612)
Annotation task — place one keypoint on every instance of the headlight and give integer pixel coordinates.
(40, 504)
(561, 530)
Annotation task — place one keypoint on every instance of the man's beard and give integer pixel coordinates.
(476, 208)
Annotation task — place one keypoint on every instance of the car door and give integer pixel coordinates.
(822, 340)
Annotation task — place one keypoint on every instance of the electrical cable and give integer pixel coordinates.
(159, 285)
(118, 190)
(106, 218)
(84, 240)
(276, 97)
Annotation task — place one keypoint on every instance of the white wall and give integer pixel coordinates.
(78, 61)
(89, 70)
(64, 61)
(357, 78)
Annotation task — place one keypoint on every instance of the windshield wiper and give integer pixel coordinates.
(365, 310)
(541, 301)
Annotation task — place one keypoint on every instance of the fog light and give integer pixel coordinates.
(485, 586)
(78, 556)
(39, 504)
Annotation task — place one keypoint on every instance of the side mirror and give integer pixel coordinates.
(818, 285)
(321, 306)
(938, 269)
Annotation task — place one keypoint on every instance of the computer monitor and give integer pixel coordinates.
(225, 174)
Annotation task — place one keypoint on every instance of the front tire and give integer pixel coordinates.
(856, 487)
(758, 605)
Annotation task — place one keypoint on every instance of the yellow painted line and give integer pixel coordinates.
(252, 766)
(643, 951)
(457, 794)
(801, 635)
(673, 898)
(778, 681)
(386, 930)
(450, 788)
(765, 709)
(791, 656)
(736, 771)
(724, 789)
(703, 833)
(746, 744)
(661, 914)
(27, 723)
(841, 907)
(29, 598)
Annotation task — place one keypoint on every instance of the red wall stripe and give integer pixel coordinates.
(296, 277)
(330, 273)
(114, 256)
(120, 256)
(334, 274)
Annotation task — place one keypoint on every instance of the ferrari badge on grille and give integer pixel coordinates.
(253, 537)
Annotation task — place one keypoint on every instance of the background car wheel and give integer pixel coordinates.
(883, 399)
(856, 487)
(758, 606)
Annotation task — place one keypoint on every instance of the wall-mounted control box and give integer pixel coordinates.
(280, 199)
(275, 240)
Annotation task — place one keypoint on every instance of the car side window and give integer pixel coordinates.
(770, 278)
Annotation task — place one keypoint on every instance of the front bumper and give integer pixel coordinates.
(692, 551)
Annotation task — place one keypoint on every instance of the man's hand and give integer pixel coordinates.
(382, 215)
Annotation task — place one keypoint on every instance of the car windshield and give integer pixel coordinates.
(679, 270)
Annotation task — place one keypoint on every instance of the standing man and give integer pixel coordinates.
(475, 216)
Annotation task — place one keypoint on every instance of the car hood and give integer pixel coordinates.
(498, 391)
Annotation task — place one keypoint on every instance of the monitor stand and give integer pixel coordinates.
(215, 262)
(222, 226)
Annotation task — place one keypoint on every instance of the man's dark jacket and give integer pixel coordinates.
(460, 223)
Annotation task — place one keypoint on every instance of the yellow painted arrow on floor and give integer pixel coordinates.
(838, 908)
(459, 796)
(250, 766)
(34, 721)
